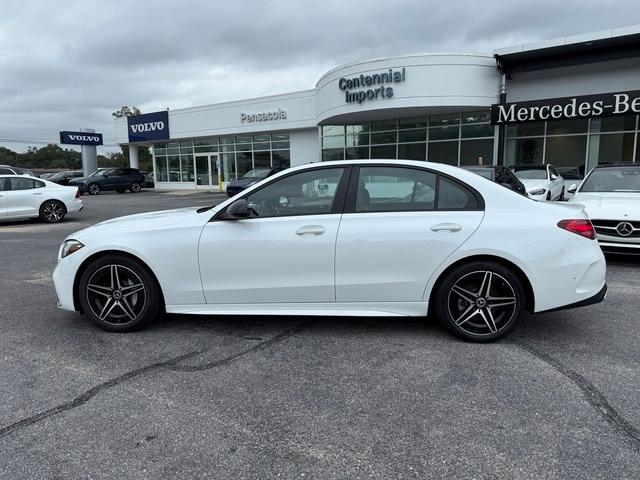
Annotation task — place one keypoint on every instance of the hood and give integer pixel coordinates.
(610, 206)
(245, 181)
(79, 179)
(534, 184)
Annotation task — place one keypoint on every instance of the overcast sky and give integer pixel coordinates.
(67, 65)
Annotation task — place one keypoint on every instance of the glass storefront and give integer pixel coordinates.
(574, 145)
(453, 138)
(197, 161)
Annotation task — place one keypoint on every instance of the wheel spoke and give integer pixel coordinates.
(99, 289)
(485, 287)
(465, 316)
(495, 302)
(465, 294)
(108, 307)
(487, 316)
(131, 289)
(126, 308)
(115, 279)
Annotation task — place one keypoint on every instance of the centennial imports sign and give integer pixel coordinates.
(585, 106)
(148, 126)
(365, 87)
(80, 138)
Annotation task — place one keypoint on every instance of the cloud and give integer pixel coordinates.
(69, 64)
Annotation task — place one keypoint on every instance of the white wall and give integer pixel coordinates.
(305, 146)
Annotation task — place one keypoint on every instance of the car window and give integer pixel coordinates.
(553, 171)
(612, 179)
(453, 196)
(120, 171)
(19, 183)
(5, 171)
(305, 193)
(4, 184)
(394, 189)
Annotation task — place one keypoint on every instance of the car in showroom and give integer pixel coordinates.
(9, 170)
(610, 195)
(103, 179)
(543, 182)
(250, 178)
(499, 174)
(24, 197)
(366, 238)
(63, 178)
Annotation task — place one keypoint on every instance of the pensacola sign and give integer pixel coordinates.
(148, 126)
(80, 138)
(585, 106)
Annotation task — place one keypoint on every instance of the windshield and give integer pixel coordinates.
(612, 179)
(100, 171)
(531, 173)
(257, 173)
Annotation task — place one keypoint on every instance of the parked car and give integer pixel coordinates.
(572, 177)
(543, 182)
(118, 179)
(365, 237)
(149, 181)
(24, 197)
(250, 178)
(63, 178)
(47, 176)
(611, 196)
(499, 174)
(9, 170)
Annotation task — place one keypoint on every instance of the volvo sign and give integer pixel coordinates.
(80, 138)
(148, 126)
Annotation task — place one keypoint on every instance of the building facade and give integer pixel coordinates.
(572, 102)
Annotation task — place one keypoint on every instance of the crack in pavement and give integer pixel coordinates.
(593, 396)
(171, 364)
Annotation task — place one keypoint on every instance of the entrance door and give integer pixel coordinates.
(206, 170)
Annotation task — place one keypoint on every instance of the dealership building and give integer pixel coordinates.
(572, 102)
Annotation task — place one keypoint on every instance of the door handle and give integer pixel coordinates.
(449, 227)
(310, 230)
(37, 193)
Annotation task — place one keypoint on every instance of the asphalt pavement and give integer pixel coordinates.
(291, 397)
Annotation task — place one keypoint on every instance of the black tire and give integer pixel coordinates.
(52, 211)
(93, 189)
(561, 195)
(120, 190)
(549, 196)
(463, 298)
(135, 187)
(119, 294)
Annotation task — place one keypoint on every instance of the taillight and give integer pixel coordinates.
(77, 193)
(582, 227)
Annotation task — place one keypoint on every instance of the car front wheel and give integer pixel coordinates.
(479, 302)
(135, 187)
(93, 189)
(119, 294)
(52, 211)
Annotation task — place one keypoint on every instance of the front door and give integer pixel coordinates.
(24, 197)
(285, 251)
(207, 171)
(399, 225)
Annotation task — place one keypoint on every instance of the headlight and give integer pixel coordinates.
(539, 191)
(69, 247)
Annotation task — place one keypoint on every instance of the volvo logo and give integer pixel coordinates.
(147, 127)
(624, 229)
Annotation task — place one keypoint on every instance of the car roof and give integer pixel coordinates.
(481, 167)
(617, 165)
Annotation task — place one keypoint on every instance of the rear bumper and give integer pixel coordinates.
(74, 205)
(597, 298)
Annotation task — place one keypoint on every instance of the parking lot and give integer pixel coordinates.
(271, 397)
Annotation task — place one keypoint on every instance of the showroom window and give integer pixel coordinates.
(453, 138)
(574, 145)
(174, 161)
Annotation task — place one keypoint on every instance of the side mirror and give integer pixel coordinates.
(238, 209)
(554, 177)
(572, 188)
(507, 185)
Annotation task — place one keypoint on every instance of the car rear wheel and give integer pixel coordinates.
(52, 211)
(93, 189)
(119, 294)
(479, 302)
(561, 195)
(135, 187)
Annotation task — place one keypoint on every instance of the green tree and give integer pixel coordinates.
(126, 111)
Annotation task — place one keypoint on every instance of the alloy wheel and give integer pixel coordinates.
(94, 189)
(482, 303)
(53, 212)
(116, 294)
(135, 187)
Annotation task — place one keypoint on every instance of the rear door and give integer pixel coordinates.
(399, 224)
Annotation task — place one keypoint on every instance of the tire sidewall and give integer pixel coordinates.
(49, 202)
(441, 300)
(154, 303)
(135, 187)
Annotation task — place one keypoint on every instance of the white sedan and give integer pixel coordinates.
(368, 238)
(610, 195)
(23, 197)
(543, 182)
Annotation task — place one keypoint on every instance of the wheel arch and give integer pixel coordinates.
(87, 261)
(64, 205)
(517, 271)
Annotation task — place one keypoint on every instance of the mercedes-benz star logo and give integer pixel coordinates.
(624, 229)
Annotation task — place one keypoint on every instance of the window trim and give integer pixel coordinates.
(350, 203)
(337, 206)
